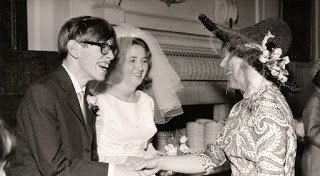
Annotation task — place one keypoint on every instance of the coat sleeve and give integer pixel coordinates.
(311, 120)
(39, 131)
(213, 156)
(274, 138)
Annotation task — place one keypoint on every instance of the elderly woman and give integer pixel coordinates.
(311, 121)
(258, 137)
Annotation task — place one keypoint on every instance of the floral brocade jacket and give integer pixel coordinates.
(258, 137)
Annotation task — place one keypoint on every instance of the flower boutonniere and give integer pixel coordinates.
(92, 103)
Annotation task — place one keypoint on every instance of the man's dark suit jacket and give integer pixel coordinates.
(52, 136)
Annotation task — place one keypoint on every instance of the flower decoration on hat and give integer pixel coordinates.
(273, 60)
(238, 41)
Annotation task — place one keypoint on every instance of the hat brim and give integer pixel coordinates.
(277, 27)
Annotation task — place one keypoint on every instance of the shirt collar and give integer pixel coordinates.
(74, 81)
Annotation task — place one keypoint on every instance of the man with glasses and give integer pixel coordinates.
(55, 128)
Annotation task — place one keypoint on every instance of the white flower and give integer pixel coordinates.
(171, 150)
(274, 72)
(184, 148)
(265, 40)
(183, 139)
(286, 59)
(263, 59)
(276, 52)
(285, 72)
(283, 79)
(266, 53)
(174, 149)
(280, 76)
(254, 45)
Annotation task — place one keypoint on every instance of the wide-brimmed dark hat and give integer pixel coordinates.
(255, 33)
(260, 45)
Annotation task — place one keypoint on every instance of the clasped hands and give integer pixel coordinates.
(143, 167)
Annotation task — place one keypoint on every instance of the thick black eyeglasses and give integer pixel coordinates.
(105, 48)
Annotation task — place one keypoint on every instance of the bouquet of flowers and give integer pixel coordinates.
(177, 145)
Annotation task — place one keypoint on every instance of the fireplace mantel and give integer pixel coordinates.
(198, 66)
(192, 51)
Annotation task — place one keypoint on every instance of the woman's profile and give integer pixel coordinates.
(258, 137)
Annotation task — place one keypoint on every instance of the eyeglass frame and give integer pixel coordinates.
(102, 45)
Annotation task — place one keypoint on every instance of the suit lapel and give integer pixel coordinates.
(70, 97)
(72, 100)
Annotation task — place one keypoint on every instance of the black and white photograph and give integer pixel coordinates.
(159, 88)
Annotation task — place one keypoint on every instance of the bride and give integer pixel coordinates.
(127, 115)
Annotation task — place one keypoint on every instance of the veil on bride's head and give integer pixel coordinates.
(165, 83)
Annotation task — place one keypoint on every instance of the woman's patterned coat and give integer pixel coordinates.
(258, 137)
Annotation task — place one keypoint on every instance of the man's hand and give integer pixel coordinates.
(132, 160)
(148, 166)
(125, 170)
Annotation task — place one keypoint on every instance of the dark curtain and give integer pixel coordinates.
(298, 15)
(13, 24)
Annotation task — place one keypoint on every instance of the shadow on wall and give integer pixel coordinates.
(301, 73)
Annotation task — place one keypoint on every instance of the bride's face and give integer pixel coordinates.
(135, 66)
(235, 70)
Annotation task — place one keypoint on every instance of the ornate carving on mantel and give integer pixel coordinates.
(165, 20)
(182, 53)
(106, 2)
(109, 9)
(169, 2)
(194, 57)
(226, 10)
(198, 69)
(187, 42)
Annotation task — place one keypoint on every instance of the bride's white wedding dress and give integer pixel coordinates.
(123, 129)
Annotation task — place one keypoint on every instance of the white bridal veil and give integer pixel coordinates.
(165, 81)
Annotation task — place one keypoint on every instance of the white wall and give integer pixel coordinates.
(45, 17)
